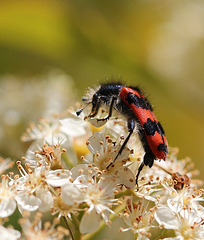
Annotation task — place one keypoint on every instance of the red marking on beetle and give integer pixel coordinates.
(142, 116)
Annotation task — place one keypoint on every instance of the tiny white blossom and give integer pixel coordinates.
(186, 223)
(9, 233)
(7, 198)
(45, 131)
(117, 127)
(68, 132)
(47, 156)
(98, 197)
(65, 202)
(149, 191)
(186, 197)
(166, 177)
(138, 218)
(163, 170)
(36, 229)
(104, 152)
(33, 186)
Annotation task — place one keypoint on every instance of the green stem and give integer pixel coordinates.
(75, 234)
(67, 161)
(135, 236)
(68, 227)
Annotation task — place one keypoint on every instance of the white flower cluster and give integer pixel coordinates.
(25, 99)
(64, 174)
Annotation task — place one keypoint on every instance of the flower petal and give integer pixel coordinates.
(57, 178)
(71, 194)
(90, 222)
(9, 233)
(46, 198)
(95, 142)
(7, 207)
(164, 216)
(127, 177)
(73, 127)
(29, 202)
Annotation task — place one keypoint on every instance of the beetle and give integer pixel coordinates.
(131, 102)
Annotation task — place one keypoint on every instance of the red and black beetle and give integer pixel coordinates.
(131, 102)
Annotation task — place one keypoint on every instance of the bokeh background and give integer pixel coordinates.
(52, 50)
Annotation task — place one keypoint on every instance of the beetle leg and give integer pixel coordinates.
(110, 110)
(95, 109)
(138, 173)
(131, 126)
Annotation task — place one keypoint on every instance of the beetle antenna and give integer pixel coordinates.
(82, 109)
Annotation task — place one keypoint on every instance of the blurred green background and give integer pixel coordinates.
(50, 49)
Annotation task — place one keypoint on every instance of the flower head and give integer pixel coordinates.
(37, 230)
(138, 217)
(104, 151)
(185, 222)
(47, 156)
(99, 199)
(33, 187)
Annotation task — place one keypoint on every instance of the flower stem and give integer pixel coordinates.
(67, 161)
(68, 227)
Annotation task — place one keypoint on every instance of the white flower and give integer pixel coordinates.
(166, 176)
(9, 233)
(186, 223)
(46, 130)
(104, 152)
(37, 230)
(7, 198)
(67, 132)
(37, 96)
(99, 201)
(74, 126)
(116, 127)
(164, 169)
(150, 191)
(53, 130)
(33, 186)
(65, 202)
(138, 218)
(187, 197)
(47, 156)
(98, 197)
